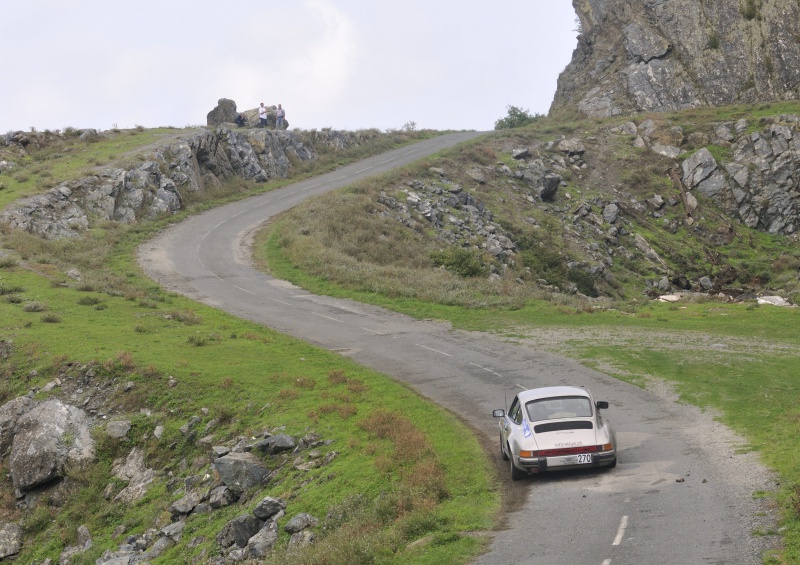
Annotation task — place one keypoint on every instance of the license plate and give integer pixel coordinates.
(578, 459)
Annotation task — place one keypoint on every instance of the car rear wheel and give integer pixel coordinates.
(516, 474)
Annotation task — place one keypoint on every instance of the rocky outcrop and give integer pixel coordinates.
(761, 185)
(46, 437)
(225, 113)
(650, 55)
(159, 185)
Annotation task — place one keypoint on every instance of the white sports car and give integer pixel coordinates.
(557, 427)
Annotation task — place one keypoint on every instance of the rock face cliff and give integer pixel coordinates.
(663, 55)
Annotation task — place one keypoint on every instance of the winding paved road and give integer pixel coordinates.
(680, 494)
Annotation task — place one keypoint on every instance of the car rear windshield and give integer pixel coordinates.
(563, 425)
(559, 408)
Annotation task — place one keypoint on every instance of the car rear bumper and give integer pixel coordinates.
(542, 464)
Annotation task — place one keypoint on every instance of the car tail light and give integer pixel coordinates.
(606, 447)
(524, 453)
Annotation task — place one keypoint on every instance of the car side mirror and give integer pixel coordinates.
(601, 404)
(499, 413)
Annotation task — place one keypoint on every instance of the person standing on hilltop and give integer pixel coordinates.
(262, 115)
(280, 113)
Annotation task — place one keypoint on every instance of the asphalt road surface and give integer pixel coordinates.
(680, 494)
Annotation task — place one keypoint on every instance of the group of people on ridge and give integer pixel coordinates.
(263, 112)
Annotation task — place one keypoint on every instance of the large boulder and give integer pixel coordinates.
(239, 531)
(48, 437)
(225, 112)
(241, 471)
(10, 413)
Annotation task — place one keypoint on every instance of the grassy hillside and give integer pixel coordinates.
(738, 359)
(79, 314)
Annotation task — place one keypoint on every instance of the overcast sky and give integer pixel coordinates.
(346, 64)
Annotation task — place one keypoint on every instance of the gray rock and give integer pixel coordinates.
(10, 413)
(222, 496)
(269, 507)
(241, 471)
(301, 539)
(572, 146)
(610, 213)
(300, 522)
(162, 544)
(706, 283)
(186, 504)
(239, 531)
(174, 530)
(277, 443)
(133, 470)
(10, 540)
(550, 185)
(224, 112)
(262, 542)
(118, 429)
(48, 437)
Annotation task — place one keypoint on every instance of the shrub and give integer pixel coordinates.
(34, 306)
(463, 262)
(186, 316)
(51, 318)
(749, 10)
(10, 290)
(584, 281)
(516, 118)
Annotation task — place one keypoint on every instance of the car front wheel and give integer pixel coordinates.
(503, 453)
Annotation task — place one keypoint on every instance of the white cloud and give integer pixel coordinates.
(341, 63)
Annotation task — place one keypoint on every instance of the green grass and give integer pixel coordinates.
(255, 379)
(236, 368)
(746, 368)
(247, 378)
(752, 381)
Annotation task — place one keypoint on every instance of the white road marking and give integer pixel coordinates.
(607, 562)
(281, 302)
(244, 289)
(362, 170)
(486, 369)
(432, 349)
(373, 331)
(621, 532)
(389, 160)
(328, 317)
